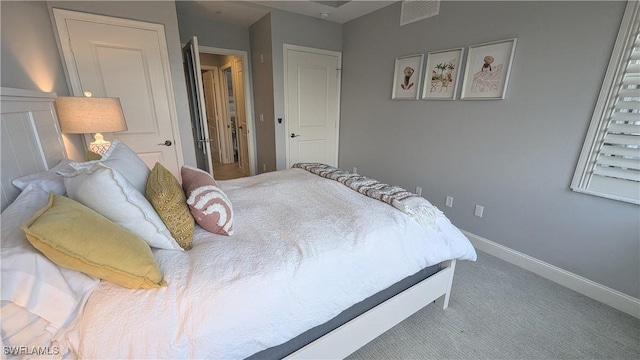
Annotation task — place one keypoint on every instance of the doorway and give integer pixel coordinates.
(226, 116)
(221, 110)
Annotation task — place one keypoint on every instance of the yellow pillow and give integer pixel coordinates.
(76, 237)
(165, 194)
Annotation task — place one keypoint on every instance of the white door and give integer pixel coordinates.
(193, 74)
(312, 103)
(112, 57)
(213, 118)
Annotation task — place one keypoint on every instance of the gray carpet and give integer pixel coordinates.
(500, 311)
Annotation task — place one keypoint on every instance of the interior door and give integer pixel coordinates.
(193, 73)
(241, 117)
(113, 57)
(213, 117)
(312, 103)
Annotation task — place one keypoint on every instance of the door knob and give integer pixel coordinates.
(293, 135)
(166, 143)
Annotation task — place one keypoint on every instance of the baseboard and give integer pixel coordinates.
(592, 289)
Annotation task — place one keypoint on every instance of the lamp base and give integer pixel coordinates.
(99, 145)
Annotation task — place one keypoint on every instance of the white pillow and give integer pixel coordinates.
(47, 180)
(107, 192)
(121, 158)
(29, 279)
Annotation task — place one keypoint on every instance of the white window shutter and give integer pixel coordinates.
(609, 164)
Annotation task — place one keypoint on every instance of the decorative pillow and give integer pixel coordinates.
(121, 158)
(29, 279)
(107, 192)
(209, 205)
(47, 180)
(91, 156)
(165, 193)
(76, 237)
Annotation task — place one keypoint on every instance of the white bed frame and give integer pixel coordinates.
(32, 142)
(31, 138)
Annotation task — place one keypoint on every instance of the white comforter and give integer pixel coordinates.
(304, 249)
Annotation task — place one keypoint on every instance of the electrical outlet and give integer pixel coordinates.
(418, 191)
(261, 117)
(478, 211)
(449, 202)
(354, 170)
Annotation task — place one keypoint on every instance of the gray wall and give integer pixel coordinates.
(29, 18)
(30, 58)
(516, 157)
(262, 72)
(210, 32)
(294, 29)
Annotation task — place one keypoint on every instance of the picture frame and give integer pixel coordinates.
(487, 71)
(442, 73)
(406, 77)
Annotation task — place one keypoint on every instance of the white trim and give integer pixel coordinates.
(606, 195)
(5, 91)
(592, 289)
(601, 114)
(287, 47)
(248, 99)
(356, 333)
(31, 137)
(60, 16)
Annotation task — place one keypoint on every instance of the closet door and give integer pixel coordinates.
(113, 57)
(312, 103)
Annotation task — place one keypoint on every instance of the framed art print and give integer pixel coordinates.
(487, 72)
(406, 77)
(441, 75)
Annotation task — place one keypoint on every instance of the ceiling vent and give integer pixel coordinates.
(414, 10)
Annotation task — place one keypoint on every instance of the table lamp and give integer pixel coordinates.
(84, 115)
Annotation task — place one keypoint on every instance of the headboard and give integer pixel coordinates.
(31, 140)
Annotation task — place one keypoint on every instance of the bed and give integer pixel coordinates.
(312, 269)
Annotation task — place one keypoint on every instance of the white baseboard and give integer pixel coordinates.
(592, 289)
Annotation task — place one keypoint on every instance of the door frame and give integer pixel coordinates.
(248, 99)
(285, 49)
(73, 80)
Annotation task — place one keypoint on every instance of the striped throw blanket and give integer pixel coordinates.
(413, 205)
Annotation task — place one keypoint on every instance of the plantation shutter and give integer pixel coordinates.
(610, 160)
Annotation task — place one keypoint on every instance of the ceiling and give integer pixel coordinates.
(247, 12)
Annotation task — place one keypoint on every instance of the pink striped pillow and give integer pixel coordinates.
(209, 205)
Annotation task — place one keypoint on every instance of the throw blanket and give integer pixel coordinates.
(411, 204)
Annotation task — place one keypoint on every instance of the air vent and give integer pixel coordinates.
(414, 10)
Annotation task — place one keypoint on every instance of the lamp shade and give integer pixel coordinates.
(83, 115)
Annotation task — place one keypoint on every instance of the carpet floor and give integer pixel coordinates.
(500, 311)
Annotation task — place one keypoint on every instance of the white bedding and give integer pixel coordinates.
(304, 249)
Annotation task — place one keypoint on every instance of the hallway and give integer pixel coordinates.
(226, 171)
